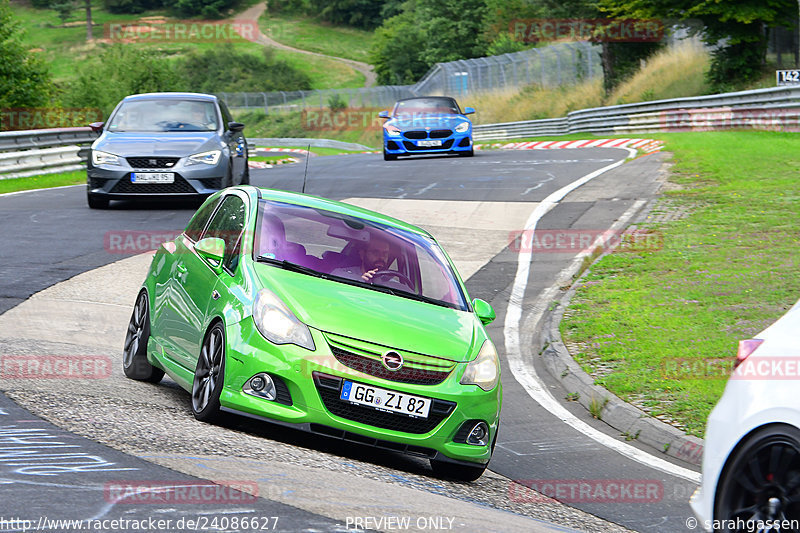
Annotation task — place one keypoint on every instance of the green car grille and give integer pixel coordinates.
(365, 357)
(329, 388)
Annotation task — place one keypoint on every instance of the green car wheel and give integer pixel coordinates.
(209, 375)
(134, 361)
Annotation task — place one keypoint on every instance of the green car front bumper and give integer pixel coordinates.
(308, 383)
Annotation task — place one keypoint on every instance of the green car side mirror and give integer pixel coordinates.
(212, 249)
(483, 310)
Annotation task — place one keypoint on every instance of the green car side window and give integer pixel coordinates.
(200, 219)
(228, 225)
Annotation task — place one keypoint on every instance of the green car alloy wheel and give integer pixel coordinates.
(326, 317)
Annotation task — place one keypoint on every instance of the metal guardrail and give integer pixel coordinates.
(34, 152)
(25, 153)
(775, 108)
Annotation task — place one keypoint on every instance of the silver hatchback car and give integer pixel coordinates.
(166, 144)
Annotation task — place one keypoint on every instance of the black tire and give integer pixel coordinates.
(96, 202)
(246, 175)
(762, 478)
(458, 472)
(134, 353)
(209, 376)
(467, 154)
(388, 157)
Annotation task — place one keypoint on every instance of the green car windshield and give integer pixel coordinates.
(348, 249)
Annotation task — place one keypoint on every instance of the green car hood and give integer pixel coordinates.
(376, 317)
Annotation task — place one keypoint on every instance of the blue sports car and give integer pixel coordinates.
(427, 125)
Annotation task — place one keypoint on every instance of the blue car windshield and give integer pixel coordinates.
(441, 105)
(164, 115)
(347, 248)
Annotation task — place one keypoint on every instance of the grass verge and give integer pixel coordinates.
(45, 181)
(308, 34)
(660, 328)
(319, 150)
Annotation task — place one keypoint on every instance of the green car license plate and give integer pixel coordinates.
(152, 177)
(385, 400)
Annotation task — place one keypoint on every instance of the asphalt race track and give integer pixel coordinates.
(472, 205)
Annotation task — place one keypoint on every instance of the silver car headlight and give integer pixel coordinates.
(484, 370)
(104, 158)
(277, 323)
(462, 127)
(209, 158)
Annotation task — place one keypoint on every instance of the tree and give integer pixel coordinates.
(24, 78)
(427, 32)
(735, 28)
(117, 71)
(64, 9)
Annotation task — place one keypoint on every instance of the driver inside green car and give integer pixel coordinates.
(374, 258)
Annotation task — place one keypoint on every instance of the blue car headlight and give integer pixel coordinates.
(462, 127)
(392, 131)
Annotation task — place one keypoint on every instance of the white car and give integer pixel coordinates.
(751, 461)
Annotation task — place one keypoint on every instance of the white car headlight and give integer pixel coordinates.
(484, 371)
(462, 127)
(277, 323)
(209, 158)
(104, 158)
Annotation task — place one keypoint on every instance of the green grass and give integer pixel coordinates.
(272, 160)
(724, 273)
(307, 34)
(64, 47)
(324, 73)
(319, 150)
(44, 181)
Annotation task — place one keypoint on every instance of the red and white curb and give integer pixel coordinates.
(645, 145)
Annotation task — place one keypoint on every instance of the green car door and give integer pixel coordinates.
(197, 278)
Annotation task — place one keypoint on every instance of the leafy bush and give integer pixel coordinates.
(225, 69)
(24, 78)
(117, 71)
(131, 6)
(210, 9)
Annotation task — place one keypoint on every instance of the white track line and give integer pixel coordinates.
(44, 189)
(526, 374)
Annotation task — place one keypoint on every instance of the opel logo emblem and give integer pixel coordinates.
(392, 361)
(154, 162)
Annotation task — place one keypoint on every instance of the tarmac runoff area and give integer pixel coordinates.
(87, 316)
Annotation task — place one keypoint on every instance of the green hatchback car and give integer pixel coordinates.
(325, 317)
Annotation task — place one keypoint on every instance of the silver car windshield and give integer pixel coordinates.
(346, 248)
(164, 115)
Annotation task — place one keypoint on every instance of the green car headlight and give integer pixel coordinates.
(484, 370)
(462, 127)
(277, 323)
